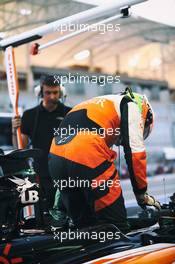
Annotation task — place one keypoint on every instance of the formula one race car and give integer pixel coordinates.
(151, 241)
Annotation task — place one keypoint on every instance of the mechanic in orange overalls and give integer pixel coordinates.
(83, 153)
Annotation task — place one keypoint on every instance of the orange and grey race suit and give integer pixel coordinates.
(82, 152)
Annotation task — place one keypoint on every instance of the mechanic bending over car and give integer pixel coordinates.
(37, 127)
(87, 154)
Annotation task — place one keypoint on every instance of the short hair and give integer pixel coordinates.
(50, 80)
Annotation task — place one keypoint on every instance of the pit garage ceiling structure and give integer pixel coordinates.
(142, 48)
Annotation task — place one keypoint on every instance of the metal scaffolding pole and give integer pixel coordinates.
(81, 17)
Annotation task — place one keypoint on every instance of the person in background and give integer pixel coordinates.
(37, 128)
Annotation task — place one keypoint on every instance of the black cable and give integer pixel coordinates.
(35, 124)
(119, 162)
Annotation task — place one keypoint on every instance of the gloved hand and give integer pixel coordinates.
(145, 199)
